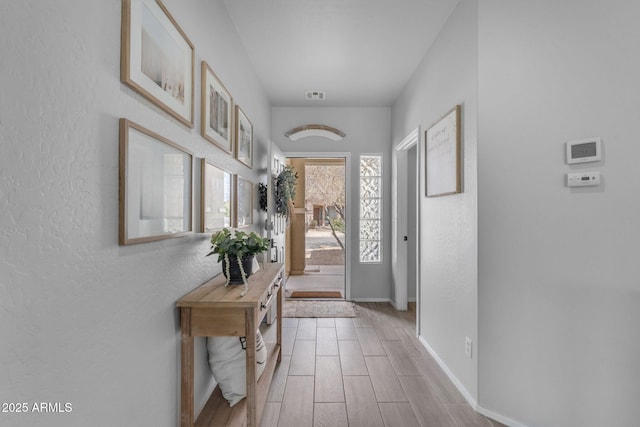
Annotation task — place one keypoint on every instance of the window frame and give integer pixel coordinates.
(380, 217)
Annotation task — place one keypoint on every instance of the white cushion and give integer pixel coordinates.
(228, 362)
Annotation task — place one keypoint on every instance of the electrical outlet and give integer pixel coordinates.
(467, 347)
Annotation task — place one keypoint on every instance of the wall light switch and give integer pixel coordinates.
(468, 347)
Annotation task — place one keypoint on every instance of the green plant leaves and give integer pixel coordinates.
(237, 243)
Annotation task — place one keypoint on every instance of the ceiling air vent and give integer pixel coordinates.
(314, 94)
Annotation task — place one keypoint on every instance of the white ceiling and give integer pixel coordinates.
(360, 52)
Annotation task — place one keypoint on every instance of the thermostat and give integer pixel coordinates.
(584, 179)
(584, 150)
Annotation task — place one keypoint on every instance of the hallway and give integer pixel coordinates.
(374, 372)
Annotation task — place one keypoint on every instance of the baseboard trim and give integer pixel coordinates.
(371, 300)
(500, 418)
(465, 393)
(393, 303)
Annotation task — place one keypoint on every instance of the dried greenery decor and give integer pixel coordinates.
(262, 192)
(285, 192)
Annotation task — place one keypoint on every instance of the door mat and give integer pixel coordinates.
(319, 309)
(315, 294)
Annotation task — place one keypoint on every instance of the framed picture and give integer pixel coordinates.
(216, 198)
(216, 111)
(244, 138)
(244, 200)
(157, 58)
(442, 156)
(155, 186)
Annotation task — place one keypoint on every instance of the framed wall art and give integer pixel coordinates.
(244, 200)
(157, 58)
(244, 138)
(155, 186)
(216, 112)
(442, 156)
(216, 198)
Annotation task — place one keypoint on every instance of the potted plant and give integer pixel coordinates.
(236, 250)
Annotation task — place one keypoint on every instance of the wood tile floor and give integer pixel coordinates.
(366, 371)
(318, 278)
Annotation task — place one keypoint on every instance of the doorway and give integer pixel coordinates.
(320, 227)
(406, 223)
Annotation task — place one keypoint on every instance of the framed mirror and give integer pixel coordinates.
(155, 186)
(216, 198)
(244, 195)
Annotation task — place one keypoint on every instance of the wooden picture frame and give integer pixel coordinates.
(443, 156)
(156, 185)
(244, 138)
(157, 58)
(244, 202)
(216, 198)
(216, 111)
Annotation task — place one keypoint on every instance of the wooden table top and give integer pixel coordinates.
(214, 294)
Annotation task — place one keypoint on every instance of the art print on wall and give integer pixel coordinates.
(216, 198)
(442, 156)
(155, 186)
(157, 58)
(244, 193)
(244, 138)
(216, 112)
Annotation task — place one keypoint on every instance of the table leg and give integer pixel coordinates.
(279, 298)
(186, 369)
(252, 408)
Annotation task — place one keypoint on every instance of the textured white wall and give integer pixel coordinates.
(84, 320)
(368, 132)
(559, 277)
(448, 306)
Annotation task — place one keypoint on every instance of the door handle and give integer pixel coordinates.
(405, 238)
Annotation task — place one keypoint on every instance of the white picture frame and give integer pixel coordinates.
(443, 156)
(157, 58)
(216, 111)
(244, 138)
